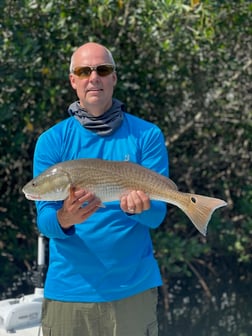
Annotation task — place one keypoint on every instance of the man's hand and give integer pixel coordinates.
(135, 202)
(73, 211)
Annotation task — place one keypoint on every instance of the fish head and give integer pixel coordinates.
(52, 185)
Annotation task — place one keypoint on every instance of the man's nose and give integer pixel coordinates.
(94, 75)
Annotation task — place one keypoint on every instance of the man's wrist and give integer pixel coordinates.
(64, 225)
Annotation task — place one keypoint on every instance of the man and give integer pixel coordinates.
(102, 277)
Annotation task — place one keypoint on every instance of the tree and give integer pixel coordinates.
(184, 65)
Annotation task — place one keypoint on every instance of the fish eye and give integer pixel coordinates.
(34, 184)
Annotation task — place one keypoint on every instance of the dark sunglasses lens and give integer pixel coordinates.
(83, 71)
(104, 70)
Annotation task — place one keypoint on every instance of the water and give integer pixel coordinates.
(228, 312)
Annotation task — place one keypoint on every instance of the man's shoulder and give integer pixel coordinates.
(61, 125)
(58, 131)
(141, 124)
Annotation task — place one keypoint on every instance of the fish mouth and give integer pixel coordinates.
(32, 197)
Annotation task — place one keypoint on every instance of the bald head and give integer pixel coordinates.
(94, 89)
(90, 50)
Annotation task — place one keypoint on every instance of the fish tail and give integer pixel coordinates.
(200, 210)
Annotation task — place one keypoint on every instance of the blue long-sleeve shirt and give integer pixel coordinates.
(110, 255)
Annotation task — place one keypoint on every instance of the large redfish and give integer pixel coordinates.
(109, 180)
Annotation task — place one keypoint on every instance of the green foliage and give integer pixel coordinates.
(184, 65)
(176, 253)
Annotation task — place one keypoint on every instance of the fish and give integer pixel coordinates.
(109, 180)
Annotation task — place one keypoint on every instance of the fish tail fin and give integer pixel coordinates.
(200, 210)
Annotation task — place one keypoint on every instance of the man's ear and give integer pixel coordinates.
(72, 81)
(115, 78)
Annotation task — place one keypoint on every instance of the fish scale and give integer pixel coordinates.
(126, 177)
(109, 180)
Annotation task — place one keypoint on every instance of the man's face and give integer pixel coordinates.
(94, 92)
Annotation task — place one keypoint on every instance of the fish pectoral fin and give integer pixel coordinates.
(71, 191)
(200, 210)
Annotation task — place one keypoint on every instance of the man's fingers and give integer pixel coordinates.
(144, 199)
(135, 202)
(77, 208)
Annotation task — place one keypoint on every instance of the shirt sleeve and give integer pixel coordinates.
(45, 156)
(154, 155)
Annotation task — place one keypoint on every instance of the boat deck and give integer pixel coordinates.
(23, 332)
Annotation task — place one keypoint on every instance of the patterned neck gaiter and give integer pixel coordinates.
(103, 125)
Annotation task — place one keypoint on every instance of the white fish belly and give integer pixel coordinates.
(108, 193)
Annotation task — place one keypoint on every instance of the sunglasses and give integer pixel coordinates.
(102, 70)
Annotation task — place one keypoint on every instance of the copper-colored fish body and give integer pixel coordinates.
(109, 180)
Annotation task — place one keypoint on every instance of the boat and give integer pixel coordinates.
(22, 316)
